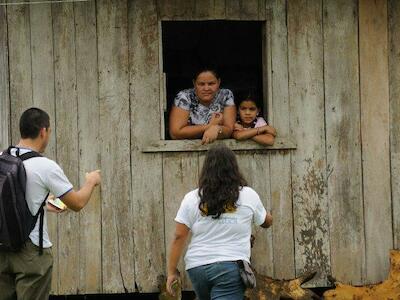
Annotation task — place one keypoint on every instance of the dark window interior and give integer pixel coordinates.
(234, 48)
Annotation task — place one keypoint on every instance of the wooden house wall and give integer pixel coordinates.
(332, 80)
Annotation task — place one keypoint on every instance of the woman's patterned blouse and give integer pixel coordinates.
(200, 114)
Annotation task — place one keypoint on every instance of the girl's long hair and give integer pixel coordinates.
(220, 182)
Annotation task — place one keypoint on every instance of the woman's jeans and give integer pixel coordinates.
(220, 280)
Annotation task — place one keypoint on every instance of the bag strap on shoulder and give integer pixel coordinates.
(24, 156)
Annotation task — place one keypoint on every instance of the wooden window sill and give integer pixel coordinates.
(281, 143)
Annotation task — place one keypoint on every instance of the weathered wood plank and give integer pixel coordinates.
(249, 9)
(90, 265)
(279, 112)
(310, 205)
(5, 134)
(394, 92)
(67, 140)
(43, 97)
(117, 218)
(19, 43)
(195, 145)
(203, 10)
(232, 9)
(175, 9)
(146, 170)
(343, 144)
(219, 9)
(180, 174)
(374, 91)
(255, 169)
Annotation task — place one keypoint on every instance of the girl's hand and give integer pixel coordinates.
(237, 127)
(217, 119)
(172, 283)
(211, 134)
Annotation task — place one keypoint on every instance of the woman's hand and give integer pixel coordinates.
(211, 134)
(172, 283)
(217, 119)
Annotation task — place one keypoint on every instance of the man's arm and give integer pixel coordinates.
(76, 200)
(179, 128)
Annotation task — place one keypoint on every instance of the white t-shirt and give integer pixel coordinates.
(42, 176)
(223, 239)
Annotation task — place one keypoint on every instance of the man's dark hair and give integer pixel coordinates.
(220, 182)
(31, 121)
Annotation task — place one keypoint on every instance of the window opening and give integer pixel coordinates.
(234, 48)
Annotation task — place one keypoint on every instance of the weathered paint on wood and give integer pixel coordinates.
(147, 184)
(67, 142)
(394, 92)
(90, 264)
(117, 209)
(374, 91)
(19, 49)
(279, 113)
(4, 83)
(343, 141)
(310, 205)
(180, 173)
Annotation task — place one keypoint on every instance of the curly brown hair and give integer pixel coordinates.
(220, 182)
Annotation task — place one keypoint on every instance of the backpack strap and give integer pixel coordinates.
(41, 223)
(28, 155)
(24, 156)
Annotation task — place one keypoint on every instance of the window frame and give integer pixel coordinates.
(194, 145)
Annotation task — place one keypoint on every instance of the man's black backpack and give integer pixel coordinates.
(16, 220)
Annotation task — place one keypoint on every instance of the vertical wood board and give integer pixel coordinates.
(90, 267)
(394, 92)
(279, 115)
(5, 109)
(117, 221)
(374, 91)
(256, 170)
(147, 184)
(67, 141)
(19, 49)
(343, 143)
(180, 173)
(43, 95)
(310, 205)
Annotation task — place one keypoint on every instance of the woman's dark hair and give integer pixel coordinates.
(31, 121)
(205, 69)
(220, 182)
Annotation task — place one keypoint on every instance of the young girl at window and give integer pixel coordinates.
(250, 126)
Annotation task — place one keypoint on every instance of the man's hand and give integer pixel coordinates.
(93, 177)
(211, 134)
(217, 119)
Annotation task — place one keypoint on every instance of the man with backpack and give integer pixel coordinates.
(26, 179)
